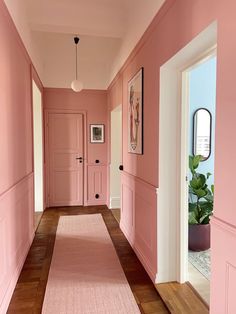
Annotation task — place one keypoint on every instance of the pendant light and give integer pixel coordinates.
(76, 85)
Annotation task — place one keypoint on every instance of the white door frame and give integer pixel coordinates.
(172, 217)
(38, 156)
(115, 196)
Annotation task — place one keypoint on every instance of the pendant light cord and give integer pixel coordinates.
(76, 58)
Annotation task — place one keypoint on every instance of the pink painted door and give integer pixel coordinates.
(66, 169)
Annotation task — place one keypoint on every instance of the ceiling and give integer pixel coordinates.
(109, 30)
(106, 18)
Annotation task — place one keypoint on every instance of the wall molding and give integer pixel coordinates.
(138, 213)
(18, 200)
(150, 270)
(219, 223)
(140, 180)
(97, 184)
(223, 267)
(10, 189)
(11, 287)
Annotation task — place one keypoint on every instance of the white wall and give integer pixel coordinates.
(38, 148)
(95, 56)
(116, 157)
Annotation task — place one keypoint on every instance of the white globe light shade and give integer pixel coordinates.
(77, 86)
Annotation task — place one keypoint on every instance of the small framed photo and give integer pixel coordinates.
(97, 133)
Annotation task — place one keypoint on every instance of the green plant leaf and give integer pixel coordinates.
(192, 207)
(196, 161)
(206, 207)
(209, 196)
(200, 193)
(190, 162)
(208, 175)
(203, 179)
(198, 181)
(195, 183)
(204, 220)
(201, 198)
(192, 219)
(212, 188)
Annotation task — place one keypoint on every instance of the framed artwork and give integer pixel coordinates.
(135, 114)
(96, 133)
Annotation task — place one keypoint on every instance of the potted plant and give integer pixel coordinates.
(200, 207)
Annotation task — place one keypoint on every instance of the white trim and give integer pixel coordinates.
(38, 149)
(114, 202)
(183, 197)
(115, 157)
(171, 235)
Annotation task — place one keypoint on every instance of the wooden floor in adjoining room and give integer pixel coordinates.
(181, 298)
(29, 293)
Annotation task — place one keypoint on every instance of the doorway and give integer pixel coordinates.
(38, 152)
(172, 217)
(116, 158)
(66, 159)
(200, 89)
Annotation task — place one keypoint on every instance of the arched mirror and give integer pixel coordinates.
(202, 122)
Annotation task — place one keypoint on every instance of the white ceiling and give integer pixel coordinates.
(87, 17)
(109, 30)
(95, 58)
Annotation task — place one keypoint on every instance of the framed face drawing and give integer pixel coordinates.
(135, 114)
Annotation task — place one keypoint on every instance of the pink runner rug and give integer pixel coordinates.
(86, 275)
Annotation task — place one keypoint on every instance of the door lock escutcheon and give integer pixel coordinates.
(80, 159)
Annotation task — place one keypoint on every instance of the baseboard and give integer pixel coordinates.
(143, 260)
(94, 202)
(162, 278)
(11, 287)
(141, 257)
(114, 202)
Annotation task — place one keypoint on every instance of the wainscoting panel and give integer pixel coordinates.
(16, 235)
(97, 185)
(127, 209)
(3, 254)
(139, 218)
(223, 260)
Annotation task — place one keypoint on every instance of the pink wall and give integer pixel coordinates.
(93, 104)
(178, 23)
(16, 159)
